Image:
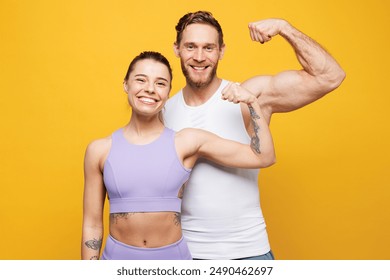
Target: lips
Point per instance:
(199, 68)
(147, 100)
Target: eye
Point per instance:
(161, 83)
(209, 48)
(141, 80)
(190, 47)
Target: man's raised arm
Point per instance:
(293, 89)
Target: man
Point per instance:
(221, 213)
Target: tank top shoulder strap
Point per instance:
(118, 140)
(169, 133)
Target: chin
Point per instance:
(202, 81)
(198, 83)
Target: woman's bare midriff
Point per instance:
(148, 230)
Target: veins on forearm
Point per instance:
(94, 244)
(311, 55)
(255, 140)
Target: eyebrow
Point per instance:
(193, 43)
(159, 78)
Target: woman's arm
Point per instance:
(94, 196)
(259, 154)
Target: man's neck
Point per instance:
(195, 96)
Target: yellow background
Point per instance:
(62, 65)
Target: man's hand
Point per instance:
(262, 31)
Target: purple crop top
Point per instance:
(144, 178)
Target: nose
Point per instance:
(199, 55)
(149, 87)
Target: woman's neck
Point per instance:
(142, 130)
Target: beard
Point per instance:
(199, 83)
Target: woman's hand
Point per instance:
(235, 93)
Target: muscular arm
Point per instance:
(293, 89)
(94, 195)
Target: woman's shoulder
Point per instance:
(98, 148)
(100, 142)
(193, 132)
(188, 132)
(194, 136)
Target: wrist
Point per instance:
(285, 28)
(252, 101)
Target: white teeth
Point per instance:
(199, 68)
(147, 100)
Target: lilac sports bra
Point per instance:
(144, 178)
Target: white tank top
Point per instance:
(221, 214)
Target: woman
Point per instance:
(143, 167)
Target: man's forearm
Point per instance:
(314, 59)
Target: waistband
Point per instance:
(116, 250)
(146, 249)
(145, 204)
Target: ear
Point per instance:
(125, 87)
(222, 52)
(176, 49)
